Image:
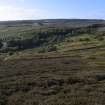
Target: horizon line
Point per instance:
(51, 19)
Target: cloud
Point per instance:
(20, 13)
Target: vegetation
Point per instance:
(53, 62)
(20, 35)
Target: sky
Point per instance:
(51, 9)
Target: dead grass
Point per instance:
(57, 80)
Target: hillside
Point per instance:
(52, 62)
(76, 78)
(48, 34)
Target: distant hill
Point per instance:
(51, 34)
(58, 22)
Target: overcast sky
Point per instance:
(42, 9)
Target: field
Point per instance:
(53, 79)
(62, 72)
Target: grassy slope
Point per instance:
(53, 79)
(15, 28)
(74, 75)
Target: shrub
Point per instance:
(52, 48)
(1, 44)
(11, 53)
(84, 39)
(100, 38)
(43, 50)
